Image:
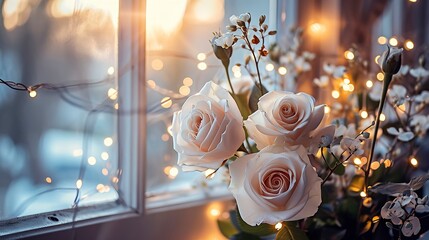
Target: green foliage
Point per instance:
(260, 230)
(226, 228)
(289, 231)
(254, 97)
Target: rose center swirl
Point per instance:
(275, 182)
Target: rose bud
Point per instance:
(390, 61)
(221, 44)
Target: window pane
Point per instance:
(179, 61)
(60, 136)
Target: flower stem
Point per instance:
(386, 82)
(225, 65)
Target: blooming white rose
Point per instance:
(207, 130)
(245, 17)
(284, 116)
(277, 184)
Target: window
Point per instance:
(67, 146)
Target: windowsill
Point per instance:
(60, 220)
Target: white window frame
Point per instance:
(131, 134)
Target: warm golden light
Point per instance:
(269, 67)
(100, 188)
(363, 114)
(387, 163)
(112, 93)
(166, 102)
(48, 180)
(79, 183)
(184, 90)
(393, 41)
(92, 160)
(214, 212)
(375, 165)
(188, 81)
(278, 226)
(282, 70)
(157, 64)
(413, 1)
(409, 45)
(369, 84)
(15, 13)
(357, 161)
(376, 59)
(363, 194)
(115, 179)
(380, 76)
(335, 94)
(201, 56)
(105, 156)
(104, 171)
(108, 142)
(414, 162)
(382, 117)
(165, 137)
(349, 55)
(316, 27)
(116, 106)
(382, 40)
(202, 66)
(402, 107)
(32, 93)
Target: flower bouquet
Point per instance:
(299, 170)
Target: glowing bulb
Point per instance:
(151, 83)
(165, 137)
(92, 160)
(327, 109)
(79, 184)
(351, 87)
(375, 219)
(414, 162)
(413, 1)
(387, 163)
(382, 117)
(104, 156)
(77, 152)
(369, 84)
(32, 93)
(171, 172)
(188, 81)
(382, 40)
(409, 45)
(166, 102)
(316, 27)
(375, 165)
(269, 67)
(100, 187)
(364, 114)
(376, 59)
(282, 70)
(363, 194)
(104, 171)
(201, 56)
(112, 94)
(214, 212)
(393, 41)
(335, 94)
(116, 106)
(157, 64)
(202, 66)
(349, 55)
(402, 107)
(111, 70)
(115, 179)
(380, 76)
(108, 142)
(346, 81)
(184, 90)
(278, 226)
(48, 180)
(357, 161)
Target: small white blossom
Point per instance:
(397, 94)
(245, 17)
(420, 123)
(411, 226)
(392, 210)
(423, 97)
(419, 73)
(402, 136)
(333, 70)
(224, 40)
(353, 146)
(323, 81)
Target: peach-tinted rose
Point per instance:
(284, 116)
(277, 184)
(208, 129)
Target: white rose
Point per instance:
(277, 184)
(286, 116)
(208, 129)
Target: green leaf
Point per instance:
(241, 100)
(289, 231)
(254, 97)
(244, 236)
(260, 230)
(340, 170)
(226, 228)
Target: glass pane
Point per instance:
(179, 61)
(58, 136)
